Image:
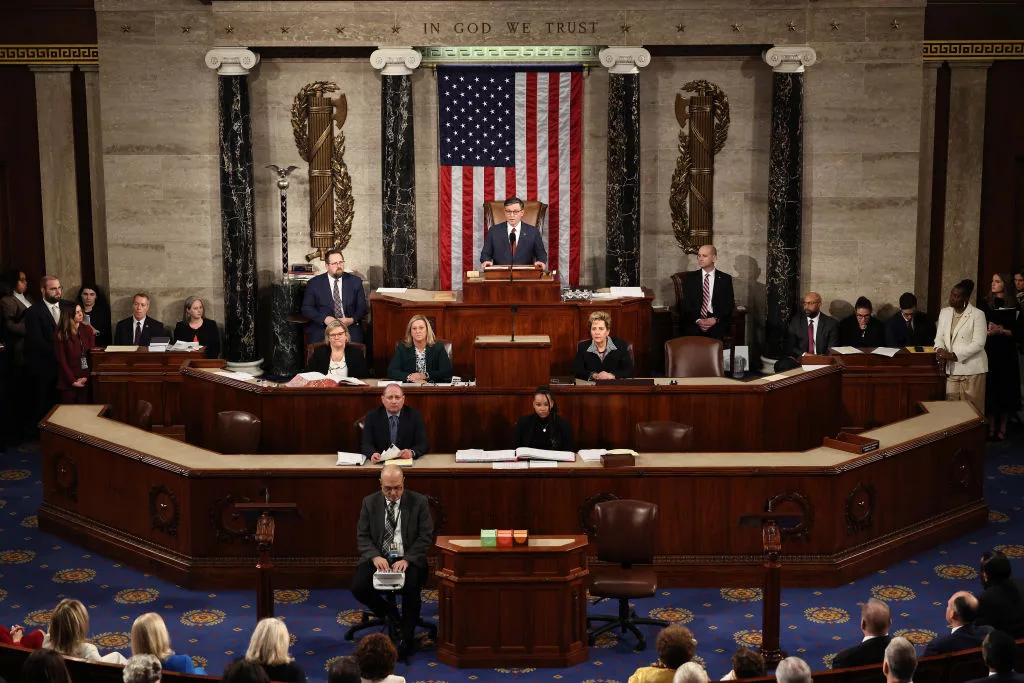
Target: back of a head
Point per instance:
(69, 625)
(691, 672)
(996, 566)
(1000, 652)
(269, 643)
(876, 617)
(142, 669)
(901, 658)
(747, 664)
(793, 670)
(376, 656)
(675, 646)
(245, 671)
(345, 670)
(149, 636)
(45, 666)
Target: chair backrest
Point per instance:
(625, 531)
(313, 347)
(143, 417)
(238, 432)
(663, 437)
(694, 357)
(447, 347)
(535, 213)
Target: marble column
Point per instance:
(924, 183)
(99, 210)
(237, 204)
(967, 88)
(622, 201)
(785, 190)
(397, 163)
(57, 174)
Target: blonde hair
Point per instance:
(603, 316)
(150, 637)
(269, 643)
(408, 330)
(335, 324)
(69, 626)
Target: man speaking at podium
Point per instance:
(513, 242)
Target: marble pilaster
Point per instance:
(237, 205)
(622, 262)
(286, 299)
(57, 174)
(785, 191)
(924, 183)
(397, 164)
(99, 210)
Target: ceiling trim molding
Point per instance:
(953, 50)
(32, 55)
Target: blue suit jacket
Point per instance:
(529, 246)
(318, 303)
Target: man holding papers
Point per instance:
(394, 533)
(394, 424)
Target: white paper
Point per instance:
(542, 464)
(244, 376)
(603, 296)
(628, 292)
(526, 453)
(514, 465)
(310, 376)
(846, 349)
(390, 454)
(480, 455)
(157, 348)
(808, 368)
(886, 351)
(121, 348)
(183, 346)
(592, 454)
(392, 290)
(350, 458)
(352, 381)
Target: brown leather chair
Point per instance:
(238, 432)
(447, 347)
(735, 330)
(694, 357)
(143, 416)
(663, 437)
(625, 537)
(535, 213)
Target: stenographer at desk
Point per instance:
(419, 358)
(544, 428)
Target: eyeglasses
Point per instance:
(863, 316)
(513, 211)
(392, 489)
(337, 335)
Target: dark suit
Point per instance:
(966, 637)
(616, 362)
(869, 652)
(403, 363)
(412, 433)
(553, 434)
(124, 335)
(826, 335)
(897, 333)
(318, 304)
(850, 333)
(1000, 606)
(417, 531)
(999, 678)
(13, 312)
(722, 303)
(529, 246)
(320, 361)
(40, 357)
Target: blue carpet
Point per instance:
(38, 570)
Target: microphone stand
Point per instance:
(515, 309)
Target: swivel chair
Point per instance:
(238, 432)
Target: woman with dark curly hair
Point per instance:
(675, 647)
(97, 312)
(376, 656)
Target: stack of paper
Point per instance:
(244, 376)
(592, 454)
(157, 347)
(350, 458)
(183, 346)
(845, 350)
(887, 351)
(525, 453)
(540, 464)
(515, 465)
(479, 455)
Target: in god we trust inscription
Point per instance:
(484, 28)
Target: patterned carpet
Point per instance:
(38, 570)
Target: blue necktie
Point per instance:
(394, 429)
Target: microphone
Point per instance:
(512, 248)
(515, 309)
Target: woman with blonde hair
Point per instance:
(150, 637)
(604, 356)
(337, 359)
(420, 358)
(269, 648)
(69, 627)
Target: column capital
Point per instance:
(624, 60)
(790, 59)
(395, 61)
(232, 61)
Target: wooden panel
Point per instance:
(511, 292)
(512, 365)
(122, 378)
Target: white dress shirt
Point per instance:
(711, 289)
(399, 548)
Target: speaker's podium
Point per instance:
(511, 285)
(512, 605)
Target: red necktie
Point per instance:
(707, 296)
(810, 336)
(513, 241)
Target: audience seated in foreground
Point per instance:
(244, 671)
(376, 656)
(142, 669)
(17, 636)
(150, 637)
(745, 664)
(961, 610)
(675, 646)
(345, 670)
(269, 647)
(793, 670)
(900, 661)
(875, 621)
(1001, 604)
(691, 672)
(999, 652)
(45, 666)
(69, 628)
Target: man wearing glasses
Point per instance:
(513, 242)
(334, 295)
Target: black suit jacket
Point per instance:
(723, 303)
(966, 637)
(999, 678)
(897, 334)
(125, 333)
(869, 652)
(403, 363)
(827, 335)
(412, 433)
(850, 333)
(616, 362)
(416, 525)
(40, 357)
(1000, 606)
(320, 361)
(529, 246)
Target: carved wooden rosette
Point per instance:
(704, 128)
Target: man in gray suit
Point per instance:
(824, 329)
(395, 532)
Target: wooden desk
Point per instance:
(170, 508)
(120, 378)
(512, 605)
(460, 321)
(794, 412)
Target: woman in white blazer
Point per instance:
(960, 342)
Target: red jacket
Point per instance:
(69, 356)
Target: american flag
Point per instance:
(505, 132)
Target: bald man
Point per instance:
(875, 622)
(708, 299)
(824, 334)
(961, 610)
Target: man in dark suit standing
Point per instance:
(999, 650)
(708, 299)
(911, 327)
(824, 331)
(960, 613)
(875, 622)
(40, 359)
(394, 424)
(1001, 604)
(138, 329)
(394, 533)
(513, 242)
(334, 295)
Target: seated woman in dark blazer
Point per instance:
(604, 356)
(419, 358)
(196, 327)
(544, 428)
(338, 359)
